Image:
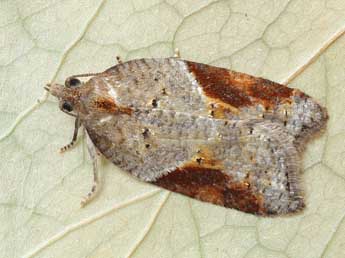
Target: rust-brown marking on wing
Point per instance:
(104, 104)
(204, 158)
(214, 186)
(238, 89)
(216, 83)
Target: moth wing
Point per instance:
(205, 90)
(253, 166)
(237, 89)
(162, 83)
(239, 95)
(263, 181)
(172, 81)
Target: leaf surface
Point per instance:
(298, 42)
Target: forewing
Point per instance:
(163, 83)
(185, 86)
(248, 165)
(242, 96)
(255, 170)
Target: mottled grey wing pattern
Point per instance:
(192, 129)
(156, 84)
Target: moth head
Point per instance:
(67, 94)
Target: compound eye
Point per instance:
(72, 82)
(67, 106)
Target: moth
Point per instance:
(213, 134)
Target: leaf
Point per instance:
(298, 41)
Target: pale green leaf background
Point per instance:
(299, 42)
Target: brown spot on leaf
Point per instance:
(214, 186)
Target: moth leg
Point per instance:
(119, 60)
(177, 53)
(96, 178)
(77, 125)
